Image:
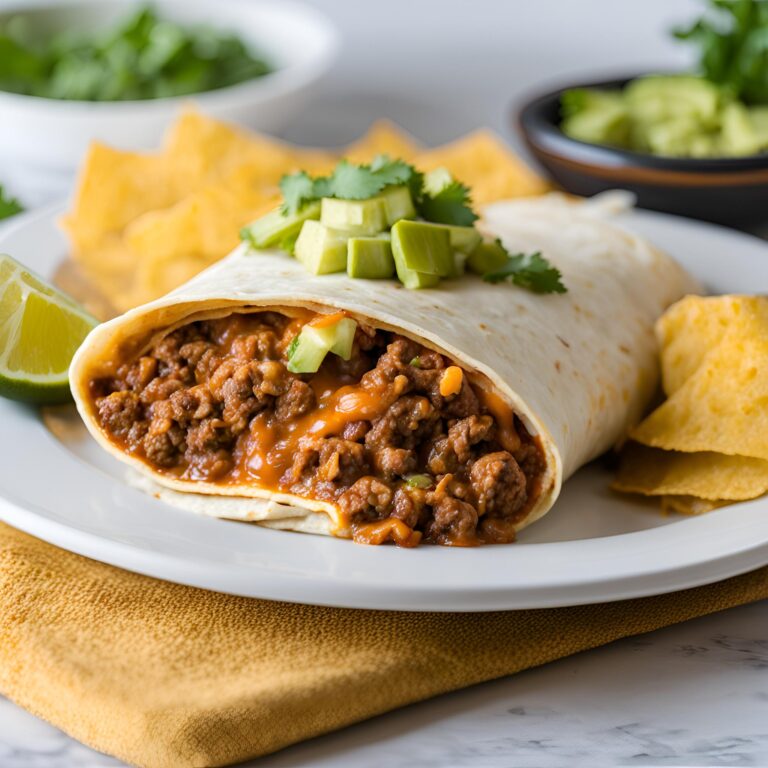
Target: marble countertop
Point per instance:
(692, 695)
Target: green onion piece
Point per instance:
(419, 481)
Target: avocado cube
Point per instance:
(423, 247)
(275, 227)
(463, 239)
(355, 217)
(412, 279)
(370, 258)
(310, 347)
(321, 249)
(398, 204)
(487, 257)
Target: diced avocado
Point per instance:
(355, 217)
(398, 204)
(663, 97)
(422, 247)
(437, 180)
(370, 258)
(321, 249)
(759, 118)
(597, 117)
(463, 239)
(412, 279)
(274, 227)
(459, 264)
(487, 257)
(738, 135)
(305, 355)
(309, 348)
(681, 137)
(343, 336)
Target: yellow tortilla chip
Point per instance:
(383, 138)
(689, 505)
(486, 165)
(114, 188)
(172, 245)
(693, 326)
(723, 407)
(201, 149)
(705, 475)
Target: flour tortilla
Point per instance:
(578, 368)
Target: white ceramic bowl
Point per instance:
(42, 141)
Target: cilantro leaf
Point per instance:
(298, 189)
(9, 206)
(451, 205)
(732, 42)
(392, 171)
(355, 182)
(528, 270)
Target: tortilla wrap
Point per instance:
(578, 368)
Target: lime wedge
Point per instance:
(40, 329)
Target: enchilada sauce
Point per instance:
(397, 439)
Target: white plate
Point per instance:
(593, 546)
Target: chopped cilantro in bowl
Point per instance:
(143, 57)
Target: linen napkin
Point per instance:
(167, 676)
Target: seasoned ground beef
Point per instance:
(374, 435)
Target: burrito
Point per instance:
(454, 417)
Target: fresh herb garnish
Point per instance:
(384, 218)
(9, 206)
(298, 189)
(359, 181)
(144, 57)
(348, 181)
(733, 47)
(351, 181)
(528, 270)
(451, 205)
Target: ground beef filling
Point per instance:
(214, 401)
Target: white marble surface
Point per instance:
(691, 695)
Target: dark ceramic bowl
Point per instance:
(730, 190)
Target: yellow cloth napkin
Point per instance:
(164, 675)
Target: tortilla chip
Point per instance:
(486, 165)
(201, 149)
(690, 329)
(170, 246)
(689, 505)
(705, 475)
(114, 188)
(723, 407)
(383, 138)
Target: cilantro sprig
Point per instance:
(436, 198)
(732, 42)
(451, 205)
(528, 270)
(359, 181)
(9, 206)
